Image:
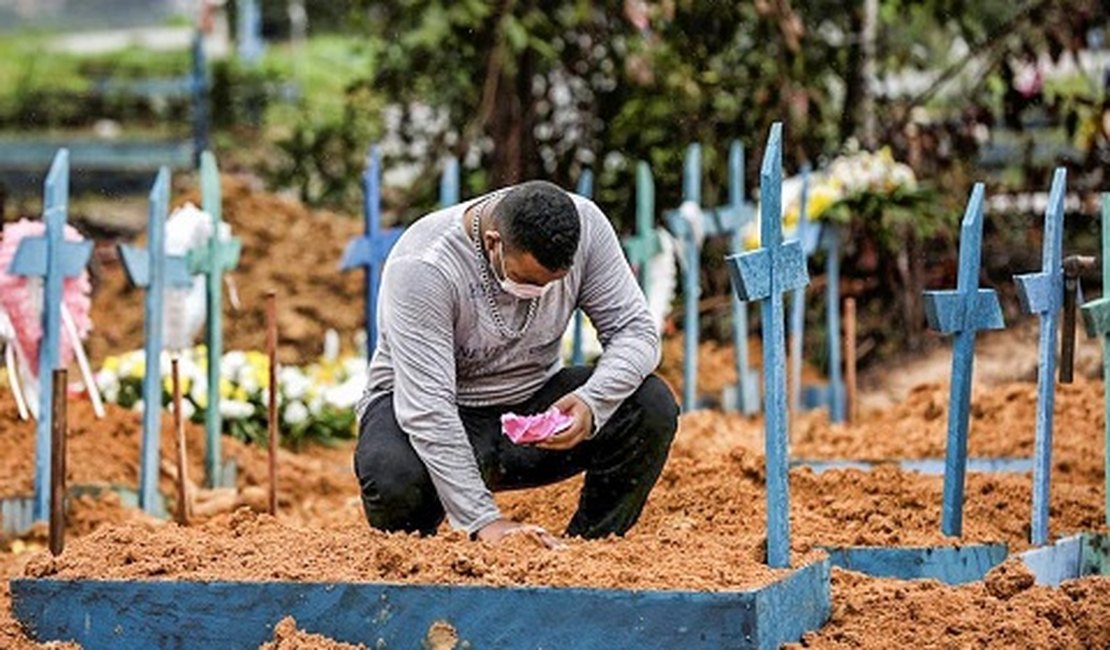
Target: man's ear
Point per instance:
(490, 239)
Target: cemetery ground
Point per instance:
(703, 528)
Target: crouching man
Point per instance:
(473, 305)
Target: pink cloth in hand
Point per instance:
(525, 429)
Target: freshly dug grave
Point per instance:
(702, 529)
(1002, 424)
(286, 247)
(1004, 611)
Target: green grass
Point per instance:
(327, 67)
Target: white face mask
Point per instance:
(518, 289)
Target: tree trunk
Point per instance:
(511, 124)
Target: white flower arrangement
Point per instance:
(314, 402)
(848, 177)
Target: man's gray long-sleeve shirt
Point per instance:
(439, 347)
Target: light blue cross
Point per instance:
(212, 261)
(728, 220)
(52, 258)
(154, 271)
(765, 275)
(808, 234)
(1096, 317)
(643, 245)
(962, 312)
(1042, 293)
(372, 248)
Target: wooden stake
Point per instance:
(271, 352)
(179, 430)
(850, 357)
(58, 463)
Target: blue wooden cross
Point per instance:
(449, 183)
(962, 312)
(809, 235)
(213, 260)
(765, 275)
(200, 98)
(52, 258)
(691, 280)
(834, 396)
(577, 356)
(1042, 293)
(644, 245)
(154, 271)
(727, 220)
(371, 249)
(730, 220)
(1096, 316)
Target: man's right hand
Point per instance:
(502, 528)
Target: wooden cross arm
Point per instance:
(200, 260)
(366, 250)
(641, 248)
(949, 311)
(30, 258)
(1041, 292)
(1096, 317)
(727, 220)
(752, 272)
(136, 264)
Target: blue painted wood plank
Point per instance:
(929, 466)
(832, 325)
(156, 271)
(963, 312)
(200, 99)
(774, 269)
(449, 183)
(370, 250)
(643, 244)
(732, 221)
(53, 259)
(180, 614)
(952, 565)
(212, 261)
(798, 301)
(1076, 556)
(96, 155)
(1042, 293)
(691, 279)
(1096, 317)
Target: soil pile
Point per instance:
(286, 247)
(312, 486)
(878, 613)
(250, 546)
(1003, 423)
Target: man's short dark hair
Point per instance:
(540, 218)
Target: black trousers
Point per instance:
(622, 461)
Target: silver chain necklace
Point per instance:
(487, 288)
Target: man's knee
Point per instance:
(397, 492)
(658, 408)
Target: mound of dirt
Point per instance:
(878, 613)
(286, 247)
